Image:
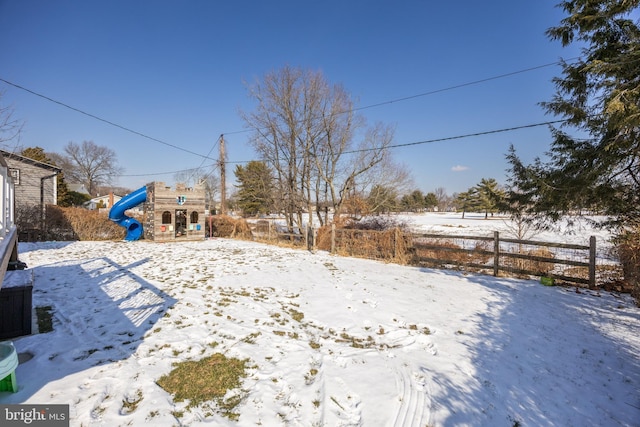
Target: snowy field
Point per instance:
(378, 344)
(475, 224)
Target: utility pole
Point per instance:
(223, 179)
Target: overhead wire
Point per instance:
(433, 92)
(204, 159)
(469, 135)
(93, 116)
(379, 104)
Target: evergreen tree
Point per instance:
(255, 188)
(598, 96)
(468, 201)
(430, 201)
(489, 196)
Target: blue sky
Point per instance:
(177, 72)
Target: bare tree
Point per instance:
(305, 129)
(90, 164)
(444, 200)
(10, 127)
(211, 184)
(383, 183)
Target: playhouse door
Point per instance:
(181, 222)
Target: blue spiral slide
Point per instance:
(116, 213)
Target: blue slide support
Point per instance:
(116, 213)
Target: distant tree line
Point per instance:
(257, 194)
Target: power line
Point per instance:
(433, 92)
(379, 104)
(203, 160)
(469, 135)
(458, 86)
(448, 138)
(93, 116)
(406, 98)
(163, 173)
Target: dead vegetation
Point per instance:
(65, 224)
(533, 262)
(628, 251)
(380, 238)
(441, 252)
(226, 226)
(374, 238)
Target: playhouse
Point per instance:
(168, 214)
(171, 215)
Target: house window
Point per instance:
(15, 175)
(166, 217)
(194, 217)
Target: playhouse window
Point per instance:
(194, 217)
(166, 217)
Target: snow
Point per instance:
(398, 345)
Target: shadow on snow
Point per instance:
(102, 320)
(538, 356)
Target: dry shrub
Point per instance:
(383, 245)
(367, 239)
(628, 248)
(323, 238)
(226, 226)
(445, 251)
(356, 207)
(65, 224)
(262, 226)
(377, 223)
(536, 267)
(81, 224)
(448, 252)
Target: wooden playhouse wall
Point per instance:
(163, 220)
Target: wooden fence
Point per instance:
(562, 262)
(271, 232)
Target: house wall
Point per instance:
(162, 199)
(27, 181)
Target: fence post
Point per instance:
(333, 238)
(396, 233)
(496, 253)
(592, 261)
(310, 239)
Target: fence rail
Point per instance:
(561, 261)
(565, 262)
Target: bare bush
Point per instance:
(539, 267)
(377, 223)
(628, 249)
(65, 224)
(372, 244)
(226, 226)
(447, 252)
(80, 224)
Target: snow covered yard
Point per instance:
(331, 341)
